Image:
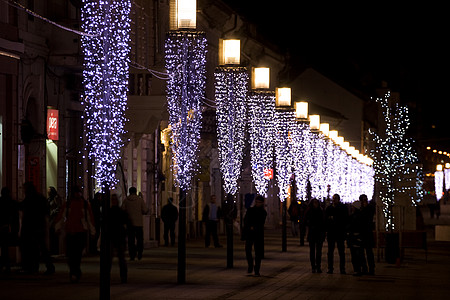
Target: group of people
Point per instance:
(35, 225)
(339, 223)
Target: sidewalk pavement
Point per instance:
(284, 275)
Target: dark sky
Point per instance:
(406, 46)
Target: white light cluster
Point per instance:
(231, 86)
(329, 168)
(261, 112)
(105, 78)
(284, 140)
(393, 156)
(447, 178)
(439, 184)
(185, 53)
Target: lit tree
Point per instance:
(394, 159)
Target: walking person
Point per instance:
(9, 227)
(293, 211)
(367, 238)
(77, 218)
(169, 216)
(336, 218)
(54, 202)
(354, 240)
(117, 236)
(211, 215)
(34, 231)
(253, 234)
(135, 208)
(316, 234)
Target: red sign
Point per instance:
(268, 173)
(52, 124)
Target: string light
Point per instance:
(395, 160)
(261, 111)
(231, 85)
(185, 53)
(105, 78)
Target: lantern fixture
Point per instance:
(301, 110)
(314, 122)
(333, 134)
(229, 52)
(325, 128)
(439, 167)
(260, 78)
(283, 97)
(183, 14)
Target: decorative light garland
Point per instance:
(105, 76)
(231, 86)
(439, 184)
(186, 65)
(284, 139)
(447, 178)
(392, 157)
(261, 112)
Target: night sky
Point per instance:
(361, 46)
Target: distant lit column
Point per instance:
(185, 55)
(439, 182)
(447, 176)
(261, 112)
(284, 125)
(231, 86)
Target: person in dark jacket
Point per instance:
(254, 220)
(9, 227)
(169, 215)
(354, 237)
(367, 238)
(35, 214)
(117, 235)
(316, 234)
(211, 215)
(336, 218)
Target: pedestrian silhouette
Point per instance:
(169, 215)
(211, 215)
(77, 218)
(253, 234)
(135, 207)
(336, 218)
(316, 234)
(117, 235)
(367, 238)
(54, 202)
(9, 227)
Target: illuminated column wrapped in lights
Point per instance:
(302, 149)
(105, 78)
(186, 65)
(447, 176)
(439, 182)
(231, 86)
(392, 156)
(261, 112)
(284, 125)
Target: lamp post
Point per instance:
(284, 117)
(439, 181)
(105, 77)
(185, 54)
(261, 114)
(231, 85)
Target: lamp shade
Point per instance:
(314, 122)
(339, 140)
(333, 134)
(183, 14)
(260, 78)
(283, 97)
(229, 52)
(325, 128)
(301, 110)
